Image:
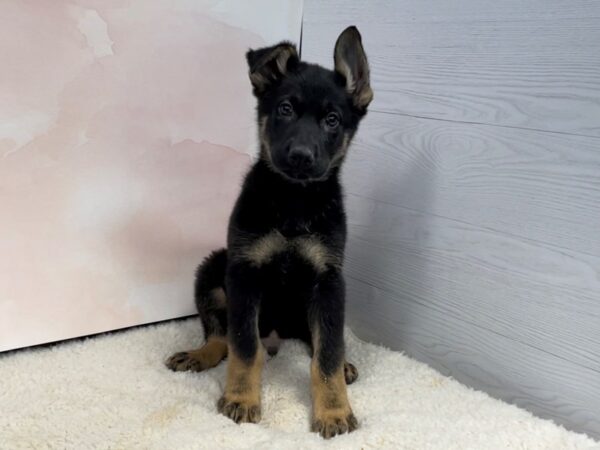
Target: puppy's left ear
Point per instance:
(351, 62)
(269, 65)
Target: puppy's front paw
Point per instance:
(239, 410)
(331, 424)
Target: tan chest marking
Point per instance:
(262, 250)
(314, 251)
(310, 247)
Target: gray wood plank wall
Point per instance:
(473, 192)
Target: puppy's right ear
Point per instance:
(270, 64)
(351, 62)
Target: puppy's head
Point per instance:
(307, 115)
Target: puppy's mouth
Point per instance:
(299, 176)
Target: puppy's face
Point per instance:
(308, 115)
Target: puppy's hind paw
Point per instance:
(183, 361)
(350, 372)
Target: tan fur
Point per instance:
(363, 97)
(241, 399)
(258, 80)
(315, 252)
(360, 89)
(330, 397)
(207, 356)
(281, 55)
(260, 251)
(219, 296)
(342, 67)
(212, 353)
(264, 248)
(265, 148)
(262, 131)
(282, 58)
(341, 153)
(332, 413)
(362, 94)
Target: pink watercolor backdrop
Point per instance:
(125, 129)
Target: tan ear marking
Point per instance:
(283, 58)
(343, 68)
(351, 62)
(271, 65)
(364, 97)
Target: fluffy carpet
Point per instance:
(114, 392)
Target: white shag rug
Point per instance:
(114, 392)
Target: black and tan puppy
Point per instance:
(281, 274)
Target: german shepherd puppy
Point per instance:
(281, 274)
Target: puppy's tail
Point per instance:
(212, 307)
(210, 296)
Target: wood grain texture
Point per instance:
(544, 384)
(543, 187)
(533, 65)
(473, 192)
(510, 286)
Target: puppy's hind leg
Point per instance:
(197, 360)
(211, 302)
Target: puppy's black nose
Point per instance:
(301, 157)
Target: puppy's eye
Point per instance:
(332, 120)
(285, 109)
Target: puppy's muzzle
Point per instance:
(301, 158)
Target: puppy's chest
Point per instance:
(309, 247)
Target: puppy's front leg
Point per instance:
(241, 399)
(332, 413)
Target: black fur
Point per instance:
(288, 289)
(210, 276)
(287, 231)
